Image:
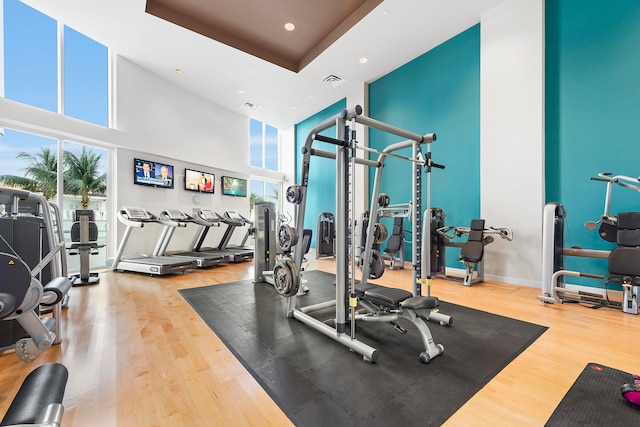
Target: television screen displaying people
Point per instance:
(199, 181)
(151, 173)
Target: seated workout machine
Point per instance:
(28, 238)
(84, 242)
(472, 250)
(394, 249)
(325, 236)
(39, 399)
(624, 260)
(622, 266)
(395, 245)
(376, 303)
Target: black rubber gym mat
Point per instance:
(319, 382)
(594, 399)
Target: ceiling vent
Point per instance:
(250, 106)
(332, 80)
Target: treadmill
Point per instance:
(233, 220)
(235, 254)
(154, 265)
(202, 259)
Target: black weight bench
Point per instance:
(39, 399)
(387, 305)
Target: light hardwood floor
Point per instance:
(138, 355)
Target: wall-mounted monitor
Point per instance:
(199, 181)
(151, 173)
(234, 186)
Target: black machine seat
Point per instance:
(362, 288)
(420, 303)
(77, 245)
(624, 260)
(396, 298)
(395, 243)
(387, 297)
(383, 304)
(84, 242)
(473, 249)
(39, 400)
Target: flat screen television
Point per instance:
(234, 186)
(154, 174)
(199, 181)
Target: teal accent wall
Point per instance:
(437, 92)
(321, 195)
(592, 114)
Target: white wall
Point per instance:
(167, 124)
(156, 200)
(512, 127)
(164, 119)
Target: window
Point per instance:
(30, 65)
(85, 78)
(30, 56)
(263, 145)
(31, 162)
(263, 191)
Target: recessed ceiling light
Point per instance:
(364, 60)
(177, 70)
(293, 107)
(289, 26)
(310, 96)
(241, 91)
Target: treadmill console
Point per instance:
(233, 215)
(137, 214)
(176, 215)
(208, 215)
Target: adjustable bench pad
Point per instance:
(43, 386)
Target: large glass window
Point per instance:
(30, 56)
(263, 145)
(264, 191)
(31, 162)
(85, 184)
(85, 78)
(30, 65)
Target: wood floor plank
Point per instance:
(138, 355)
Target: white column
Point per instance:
(512, 137)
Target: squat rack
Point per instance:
(346, 159)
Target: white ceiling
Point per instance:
(394, 33)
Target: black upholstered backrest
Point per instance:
(394, 242)
(75, 232)
(624, 260)
(473, 249)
